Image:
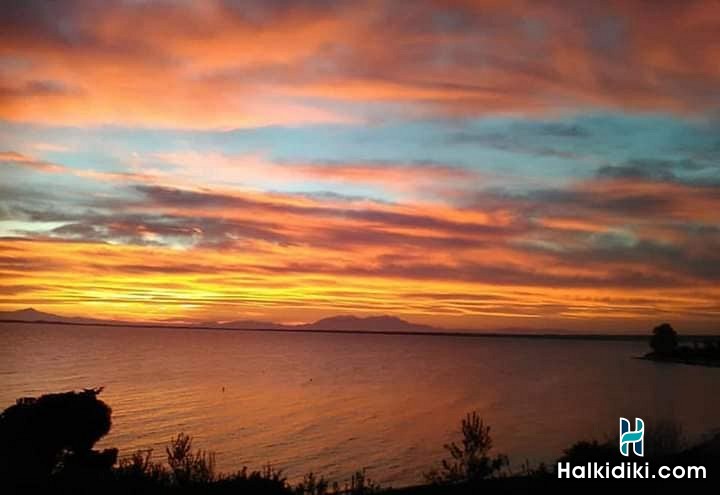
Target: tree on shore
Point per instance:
(54, 433)
(664, 340)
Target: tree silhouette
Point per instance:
(188, 466)
(470, 460)
(53, 433)
(664, 339)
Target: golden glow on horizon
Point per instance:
(80, 279)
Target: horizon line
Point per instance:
(437, 333)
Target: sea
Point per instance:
(334, 404)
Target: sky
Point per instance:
(469, 164)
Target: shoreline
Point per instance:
(682, 360)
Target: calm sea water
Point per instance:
(337, 403)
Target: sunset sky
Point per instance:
(484, 165)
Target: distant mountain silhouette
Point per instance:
(382, 323)
(243, 324)
(350, 323)
(31, 314)
(371, 323)
(341, 323)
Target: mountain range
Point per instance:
(384, 323)
(341, 323)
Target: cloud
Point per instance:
(216, 65)
(621, 228)
(32, 89)
(13, 158)
(255, 170)
(686, 171)
(296, 280)
(52, 147)
(606, 231)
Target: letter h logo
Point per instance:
(634, 437)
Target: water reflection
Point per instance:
(335, 403)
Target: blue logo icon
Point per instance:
(634, 437)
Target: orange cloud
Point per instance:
(292, 283)
(200, 253)
(20, 160)
(251, 170)
(210, 65)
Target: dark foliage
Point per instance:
(54, 434)
(664, 339)
(585, 451)
(312, 485)
(700, 351)
(189, 467)
(193, 471)
(46, 446)
(470, 461)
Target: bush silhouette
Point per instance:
(469, 461)
(54, 433)
(359, 484)
(139, 470)
(312, 485)
(186, 466)
(582, 452)
(664, 438)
